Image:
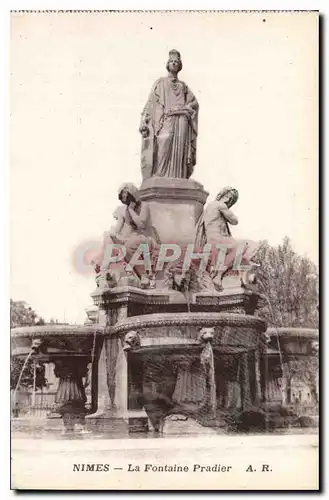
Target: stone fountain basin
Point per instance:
(50, 341)
(294, 340)
(181, 331)
(71, 348)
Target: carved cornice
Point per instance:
(239, 297)
(188, 319)
(170, 190)
(170, 183)
(106, 299)
(55, 331)
(294, 341)
(121, 296)
(172, 195)
(294, 333)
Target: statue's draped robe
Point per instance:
(170, 149)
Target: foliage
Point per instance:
(28, 374)
(290, 282)
(23, 315)
(306, 370)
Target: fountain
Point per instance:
(289, 377)
(164, 338)
(73, 350)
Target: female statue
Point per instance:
(169, 126)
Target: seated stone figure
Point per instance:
(133, 228)
(214, 227)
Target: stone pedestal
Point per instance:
(176, 205)
(119, 409)
(146, 329)
(148, 355)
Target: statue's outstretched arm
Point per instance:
(228, 214)
(140, 219)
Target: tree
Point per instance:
(27, 379)
(306, 370)
(23, 315)
(290, 282)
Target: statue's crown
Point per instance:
(174, 52)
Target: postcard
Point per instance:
(164, 250)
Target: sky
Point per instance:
(78, 85)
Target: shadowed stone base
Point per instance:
(110, 420)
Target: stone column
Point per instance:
(104, 402)
(263, 370)
(254, 377)
(123, 373)
(137, 418)
(128, 384)
(246, 402)
(258, 394)
(111, 355)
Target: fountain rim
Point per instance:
(290, 332)
(56, 330)
(199, 319)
